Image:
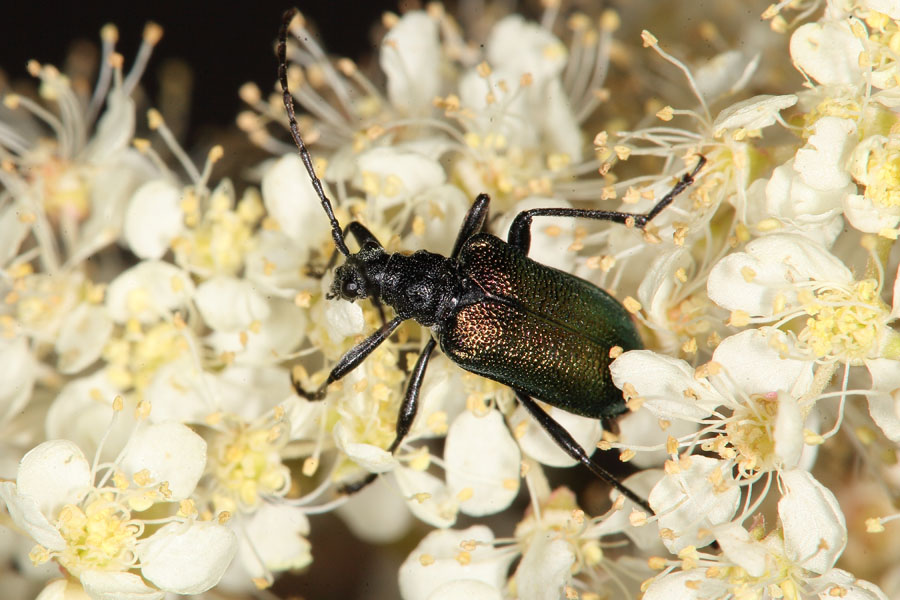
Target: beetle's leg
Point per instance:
(406, 415)
(520, 230)
(351, 359)
(565, 441)
(362, 235)
(473, 223)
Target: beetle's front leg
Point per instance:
(351, 359)
(405, 417)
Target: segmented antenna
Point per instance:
(336, 233)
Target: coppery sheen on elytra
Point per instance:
(538, 330)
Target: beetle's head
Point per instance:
(360, 275)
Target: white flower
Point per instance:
(828, 52)
(753, 113)
(86, 520)
(153, 219)
(793, 561)
(410, 57)
(760, 389)
(874, 164)
(446, 556)
(782, 277)
(482, 462)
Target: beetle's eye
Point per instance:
(349, 288)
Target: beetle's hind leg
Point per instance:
(350, 360)
(565, 441)
(520, 230)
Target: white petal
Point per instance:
(482, 457)
(377, 514)
(725, 73)
(470, 589)
(755, 367)
(276, 264)
(741, 549)
(685, 585)
(428, 498)
(153, 218)
(439, 551)
(828, 52)
(884, 402)
(523, 47)
(441, 209)
(659, 284)
(62, 589)
(815, 532)
(12, 232)
(895, 307)
(688, 502)
(25, 513)
(788, 432)
(537, 444)
(661, 381)
(864, 215)
(187, 560)
(277, 335)
(114, 130)
(118, 585)
(82, 413)
(82, 337)
(275, 534)
(849, 587)
(545, 568)
(822, 163)
(753, 113)
(230, 304)
(171, 452)
(773, 262)
(148, 290)
(18, 371)
(290, 199)
(343, 319)
(372, 458)
(889, 7)
(646, 538)
(642, 428)
(181, 392)
(410, 57)
(810, 210)
(560, 128)
(249, 391)
(399, 175)
(53, 474)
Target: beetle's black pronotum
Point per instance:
(495, 312)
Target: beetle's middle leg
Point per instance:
(520, 230)
(565, 441)
(351, 359)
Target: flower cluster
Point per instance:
(154, 317)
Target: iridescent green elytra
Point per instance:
(539, 330)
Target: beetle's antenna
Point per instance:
(336, 232)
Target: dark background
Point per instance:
(225, 45)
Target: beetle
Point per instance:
(545, 333)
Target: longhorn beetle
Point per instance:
(495, 312)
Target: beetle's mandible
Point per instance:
(543, 332)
